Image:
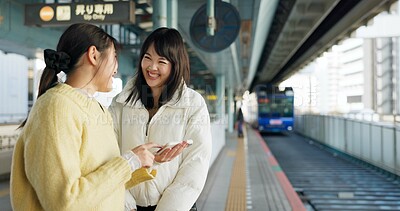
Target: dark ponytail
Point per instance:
(73, 43)
(55, 63)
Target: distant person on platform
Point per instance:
(240, 123)
(156, 105)
(67, 155)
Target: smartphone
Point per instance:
(172, 144)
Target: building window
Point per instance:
(354, 99)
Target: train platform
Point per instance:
(245, 176)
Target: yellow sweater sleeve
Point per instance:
(52, 158)
(139, 176)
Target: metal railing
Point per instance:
(7, 142)
(376, 143)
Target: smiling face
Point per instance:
(156, 69)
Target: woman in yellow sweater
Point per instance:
(67, 156)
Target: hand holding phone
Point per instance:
(172, 145)
(170, 150)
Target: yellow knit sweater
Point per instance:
(67, 156)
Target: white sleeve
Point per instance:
(130, 203)
(132, 159)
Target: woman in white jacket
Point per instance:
(157, 106)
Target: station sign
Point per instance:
(68, 13)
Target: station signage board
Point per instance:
(68, 13)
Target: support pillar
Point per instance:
(159, 13)
(221, 98)
(172, 15)
(231, 111)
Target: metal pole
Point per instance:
(211, 23)
(172, 14)
(231, 110)
(221, 97)
(159, 13)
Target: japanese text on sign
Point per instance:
(94, 12)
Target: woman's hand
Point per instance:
(145, 156)
(170, 153)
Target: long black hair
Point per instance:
(73, 43)
(168, 43)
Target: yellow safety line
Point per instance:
(236, 200)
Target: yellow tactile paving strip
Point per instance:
(236, 200)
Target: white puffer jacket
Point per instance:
(179, 182)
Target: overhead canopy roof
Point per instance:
(276, 37)
(304, 29)
(285, 36)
